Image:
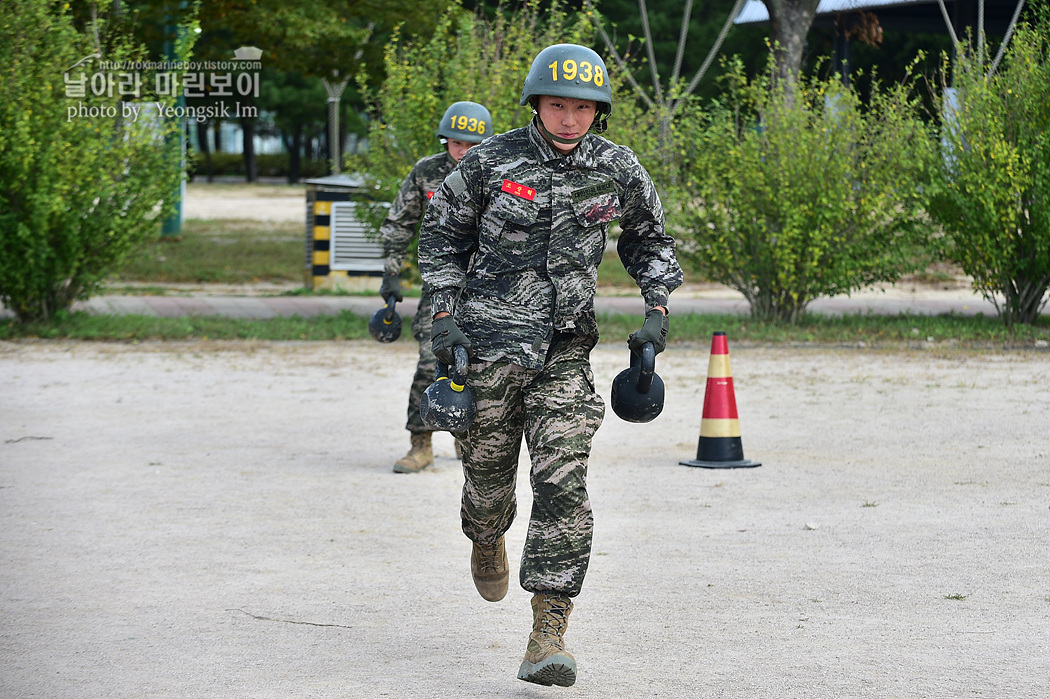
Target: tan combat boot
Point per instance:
(488, 567)
(546, 660)
(418, 457)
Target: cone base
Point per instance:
(744, 463)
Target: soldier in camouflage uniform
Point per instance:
(463, 125)
(510, 247)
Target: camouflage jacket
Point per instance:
(511, 242)
(409, 206)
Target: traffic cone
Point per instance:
(720, 445)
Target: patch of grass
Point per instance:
(938, 273)
(244, 251)
(612, 274)
(893, 332)
(130, 328)
(956, 596)
(147, 290)
(223, 252)
(856, 330)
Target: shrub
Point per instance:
(795, 197)
(993, 196)
(76, 192)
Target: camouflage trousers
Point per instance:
(426, 365)
(558, 411)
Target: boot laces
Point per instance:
(554, 619)
(489, 559)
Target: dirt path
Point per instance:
(259, 202)
(201, 520)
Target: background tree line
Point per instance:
(778, 180)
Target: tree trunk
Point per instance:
(294, 155)
(790, 21)
(1023, 299)
(248, 131)
(202, 140)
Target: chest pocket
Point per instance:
(597, 204)
(513, 209)
(513, 236)
(514, 217)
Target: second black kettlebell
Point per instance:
(385, 324)
(448, 404)
(638, 392)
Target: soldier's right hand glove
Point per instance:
(444, 337)
(654, 330)
(391, 286)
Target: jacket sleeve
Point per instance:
(401, 222)
(449, 235)
(646, 249)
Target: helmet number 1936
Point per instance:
(584, 71)
(462, 123)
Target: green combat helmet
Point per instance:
(570, 70)
(466, 121)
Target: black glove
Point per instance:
(654, 330)
(391, 286)
(444, 337)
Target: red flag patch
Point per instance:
(519, 190)
(429, 194)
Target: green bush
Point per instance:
(76, 192)
(993, 197)
(803, 195)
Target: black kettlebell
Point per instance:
(385, 324)
(638, 392)
(448, 404)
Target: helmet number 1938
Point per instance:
(584, 71)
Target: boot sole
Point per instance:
(558, 670)
(492, 594)
(408, 469)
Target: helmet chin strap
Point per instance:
(559, 139)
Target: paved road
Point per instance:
(238, 306)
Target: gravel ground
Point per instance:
(220, 520)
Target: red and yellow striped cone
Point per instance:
(720, 445)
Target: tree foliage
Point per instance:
(468, 58)
(798, 199)
(77, 191)
(993, 196)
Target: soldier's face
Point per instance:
(565, 117)
(457, 149)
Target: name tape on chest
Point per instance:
(519, 190)
(606, 187)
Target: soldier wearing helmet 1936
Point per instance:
(464, 125)
(510, 247)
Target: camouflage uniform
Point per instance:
(397, 231)
(510, 245)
